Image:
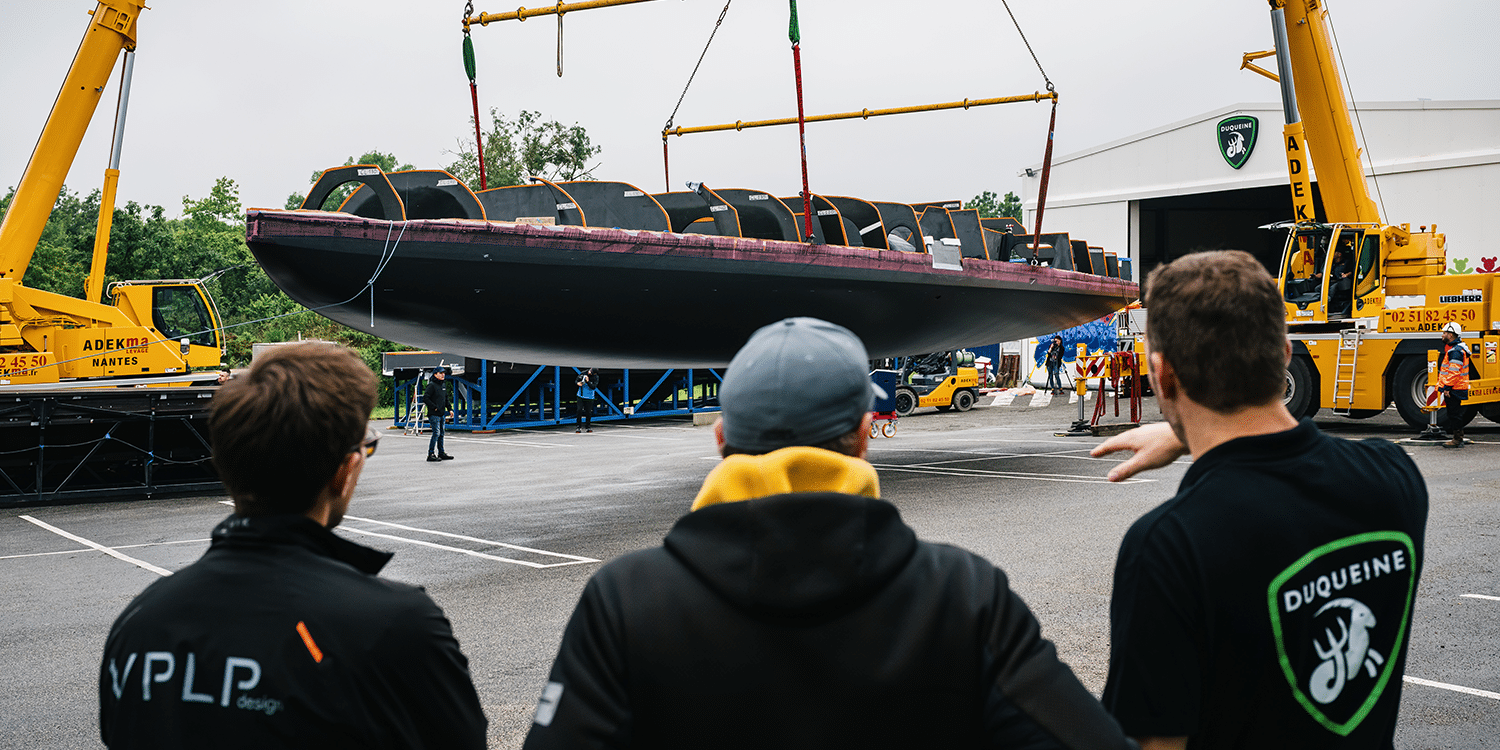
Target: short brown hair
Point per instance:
(280, 432)
(1218, 319)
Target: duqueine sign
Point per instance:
(1237, 139)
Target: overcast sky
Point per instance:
(268, 92)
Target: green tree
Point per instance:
(990, 206)
(208, 239)
(386, 162)
(63, 253)
(528, 146)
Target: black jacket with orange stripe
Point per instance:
(282, 635)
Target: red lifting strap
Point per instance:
(1041, 201)
(478, 138)
(802, 135)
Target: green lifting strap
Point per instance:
(469, 57)
(793, 33)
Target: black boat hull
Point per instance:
(616, 298)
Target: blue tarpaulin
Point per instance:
(1100, 336)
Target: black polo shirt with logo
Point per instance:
(1269, 603)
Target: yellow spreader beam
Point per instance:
(523, 13)
(864, 114)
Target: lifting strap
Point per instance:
(1041, 201)
(795, 35)
(469, 68)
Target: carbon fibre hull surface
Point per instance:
(617, 298)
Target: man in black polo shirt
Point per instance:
(1269, 603)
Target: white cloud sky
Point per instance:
(266, 93)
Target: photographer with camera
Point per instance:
(587, 382)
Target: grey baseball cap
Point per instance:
(800, 381)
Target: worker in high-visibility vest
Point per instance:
(1453, 381)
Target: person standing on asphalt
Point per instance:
(1054, 362)
(1268, 603)
(282, 635)
(436, 400)
(1453, 381)
(792, 608)
(588, 384)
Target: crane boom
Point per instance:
(112, 30)
(1302, 29)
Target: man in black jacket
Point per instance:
(281, 635)
(793, 609)
(435, 398)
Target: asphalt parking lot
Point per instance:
(505, 536)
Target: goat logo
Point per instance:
(1339, 617)
(1346, 652)
(1237, 139)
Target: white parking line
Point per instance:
(982, 456)
(622, 426)
(86, 549)
(1454, 688)
(574, 558)
(645, 437)
(99, 547)
(1480, 596)
(1075, 478)
(489, 441)
(461, 550)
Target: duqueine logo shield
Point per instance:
(1237, 139)
(1339, 617)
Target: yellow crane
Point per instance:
(1365, 300)
(147, 329)
(97, 397)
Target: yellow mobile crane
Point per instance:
(1365, 300)
(72, 412)
(151, 328)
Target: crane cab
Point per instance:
(177, 311)
(1331, 272)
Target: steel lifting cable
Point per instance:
(1041, 204)
(1028, 45)
(673, 117)
(1354, 105)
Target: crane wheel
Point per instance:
(1300, 397)
(1410, 391)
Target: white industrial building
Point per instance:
(1158, 195)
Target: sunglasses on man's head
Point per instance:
(372, 439)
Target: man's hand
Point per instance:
(1155, 446)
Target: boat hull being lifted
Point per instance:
(610, 297)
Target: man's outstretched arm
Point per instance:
(1155, 446)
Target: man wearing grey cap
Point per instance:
(792, 608)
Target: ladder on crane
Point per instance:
(1344, 368)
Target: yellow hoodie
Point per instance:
(794, 469)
